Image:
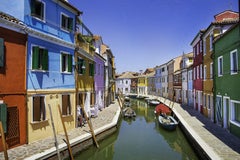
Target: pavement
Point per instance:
(106, 119)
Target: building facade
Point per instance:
(13, 80)
(227, 80)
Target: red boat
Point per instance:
(162, 109)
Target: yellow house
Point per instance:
(84, 59)
(142, 85)
(222, 23)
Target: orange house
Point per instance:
(13, 82)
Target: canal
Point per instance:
(141, 138)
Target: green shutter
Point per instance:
(1, 52)
(70, 24)
(69, 63)
(3, 116)
(45, 60)
(35, 57)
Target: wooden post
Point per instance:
(3, 141)
(65, 131)
(54, 132)
(90, 126)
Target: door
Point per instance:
(219, 110)
(225, 111)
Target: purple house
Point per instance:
(99, 83)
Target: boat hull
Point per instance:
(167, 122)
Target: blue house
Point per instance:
(50, 60)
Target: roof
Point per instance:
(126, 75)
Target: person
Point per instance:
(79, 116)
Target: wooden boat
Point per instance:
(162, 109)
(129, 112)
(167, 122)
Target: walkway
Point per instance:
(216, 141)
(106, 119)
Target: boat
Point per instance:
(127, 102)
(129, 112)
(154, 102)
(162, 109)
(167, 122)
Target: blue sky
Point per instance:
(146, 33)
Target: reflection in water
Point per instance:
(141, 138)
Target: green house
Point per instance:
(227, 80)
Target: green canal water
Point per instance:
(141, 138)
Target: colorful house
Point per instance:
(177, 79)
(85, 66)
(227, 80)
(12, 80)
(123, 83)
(151, 83)
(222, 22)
(187, 61)
(109, 74)
(170, 68)
(142, 85)
(99, 72)
(49, 58)
(197, 45)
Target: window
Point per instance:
(91, 69)
(204, 47)
(234, 62)
(211, 41)
(1, 52)
(81, 66)
(220, 66)
(66, 62)
(204, 72)
(211, 70)
(39, 110)
(37, 9)
(235, 112)
(67, 23)
(209, 101)
(200, 71)
(66, 105)
(39, 58)
(197, 72)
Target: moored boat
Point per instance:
(127, 101)
(162, 109)
(154, 102)
(167, 122)
(128, 112)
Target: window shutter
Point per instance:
(45, 59)
(1, 52)
(69, 63)
(33, 9)
(3, 116)
(70, 24)
(35, 57)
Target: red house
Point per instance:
(12, 80)
(197, 45)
